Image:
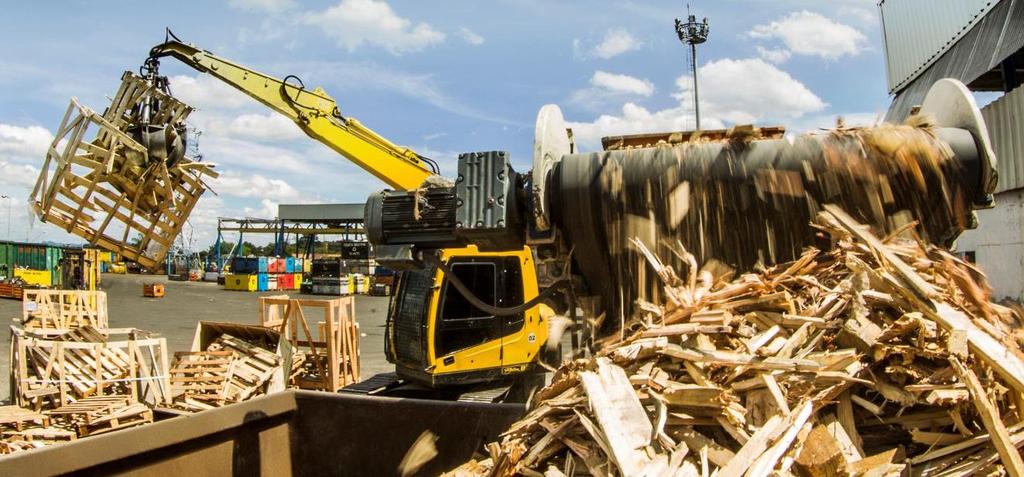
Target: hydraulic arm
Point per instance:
(315, 112)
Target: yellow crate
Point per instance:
(41, 278)
(240, 282)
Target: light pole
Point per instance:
(693, 33)
(8, 214)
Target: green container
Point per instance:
(53, 257)
(33, 256)
(6, 259)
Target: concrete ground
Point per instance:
(186, 303)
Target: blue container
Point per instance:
(261, 265)
(243, 265)
(289, 265)
(261, 281)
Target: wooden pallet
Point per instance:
(133, 415)
(107, 189)
(102, 414)
(200, 374)
(18, 418)
(153, 290)
(63, 309)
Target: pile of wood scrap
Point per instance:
(52, 368)
(879, 356)
(230, 370)
(24, 429)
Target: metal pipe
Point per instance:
(693, 66)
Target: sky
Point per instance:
(440, 77)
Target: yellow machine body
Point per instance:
(490, 348)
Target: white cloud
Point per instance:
(809, 33)
(470, 36)
(776, 56)
(353, 23)
(205, 92)
(622, 83)
(18, 175)
(865, 16)
(267, 6)
(749, 90)
(24, 144)
(270, 127)
(732, 91)
(609, 88)
(255, 186)
(634, 120)
(616, 42)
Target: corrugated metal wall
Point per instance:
(917, 32)
(1005, 120)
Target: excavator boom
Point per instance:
(315, 112)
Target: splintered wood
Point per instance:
(111, 190)
(874, 357)
(63, 309)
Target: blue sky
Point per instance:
(441, 77)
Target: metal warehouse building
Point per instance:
(980, 43)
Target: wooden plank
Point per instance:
(620, 415)
(990, 417)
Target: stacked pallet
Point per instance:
(52, 368)
(877, 357)
(101, 414)
(230, 370)
(23, 429)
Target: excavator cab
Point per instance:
(451, 341)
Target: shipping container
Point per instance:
(297, 285)
(241, 282)
(272, 282)
(289, 265)
(284, 281)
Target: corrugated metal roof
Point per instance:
(321, 212)
(977, 52)
(1005, 120)
(917, 32)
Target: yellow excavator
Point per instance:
(463, 348)
(489, 259)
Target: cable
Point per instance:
(494, 310)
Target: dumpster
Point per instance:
(290, 433)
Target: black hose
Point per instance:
(484, 307)
(301, 87)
